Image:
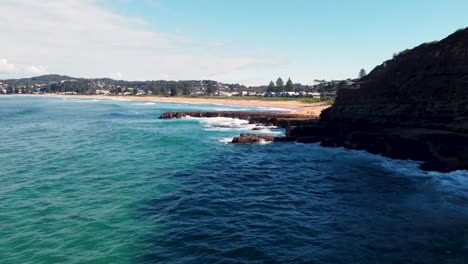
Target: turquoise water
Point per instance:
(106, 181)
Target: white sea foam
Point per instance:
(454, 183)
(264, 142)
(226, 140)
(218, 109)
(86, 101)
(145, 103)
(119, 99)
(273, 131)
(226, 124)
(275, 109)
(223, 123)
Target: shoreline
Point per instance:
(296, 107)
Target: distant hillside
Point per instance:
(54, 83)
(43, 79)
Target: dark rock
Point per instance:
(285, 139)
(271, 119)
(305, 130)
(252, 138)
(258, 128)
(309, 139)
(328, 142)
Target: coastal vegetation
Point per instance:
(362, 73)
(273, 99)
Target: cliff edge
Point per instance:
(414, 106)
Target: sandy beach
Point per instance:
(313, 109)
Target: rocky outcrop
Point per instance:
(270, 119)
(281, 120)
(414, 106)
(252, 139)
(259, 138)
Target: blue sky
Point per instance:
(249, 42)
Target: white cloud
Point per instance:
(116, 76)
(6, 67)
(81, 38)
(36, 70)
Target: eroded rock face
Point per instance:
(414, 106)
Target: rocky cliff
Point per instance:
(414, 106)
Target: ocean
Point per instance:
(106, 181)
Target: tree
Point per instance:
(187, 89)
(164, 91)
(271, 87)
(362, 73)
(173, 91)
(342, 85)
(10, 89)
(289, 86)
(299, 88)
(211, 89)
(279, 85)
(156, 90)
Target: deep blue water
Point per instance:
(105, 181)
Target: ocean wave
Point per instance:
(146, 103)
(85, 100)
(454, 183)
(223, 123)
(275, 109)
(119, 99)
(175, 193)
(226, 140)
(273, 131)
(264, 142)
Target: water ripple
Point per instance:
(106, 182)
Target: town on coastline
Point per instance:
(65, 85)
